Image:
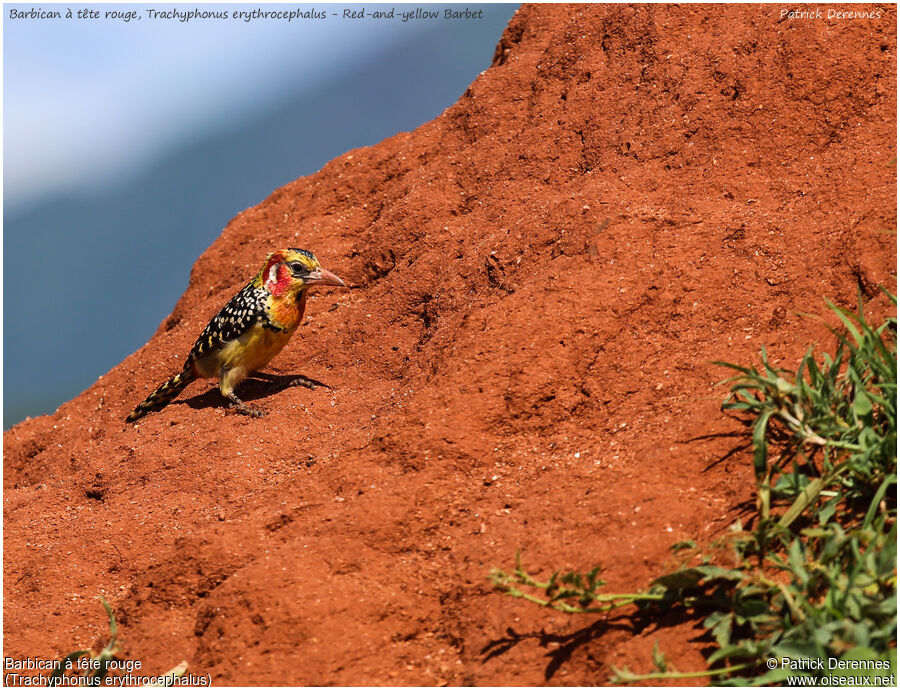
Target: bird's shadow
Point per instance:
(256, 387)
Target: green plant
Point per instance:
(93, 671)
(569, 592)
(816, 577)
(844, 410)
(96, 670)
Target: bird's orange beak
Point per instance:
(322, 276)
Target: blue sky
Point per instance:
(86, 101)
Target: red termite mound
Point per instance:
(541, 278)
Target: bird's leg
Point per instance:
(242, 407)
(228, 379)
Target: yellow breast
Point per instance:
(250, 352)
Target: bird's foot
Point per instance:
(247, 410)
(243, 408)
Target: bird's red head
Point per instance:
(290, 272)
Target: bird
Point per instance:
(249, 331)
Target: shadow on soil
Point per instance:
(634, 624)
(259, 386)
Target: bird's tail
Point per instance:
(163, 395)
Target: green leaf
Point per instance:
(732, 651)
(719, 623)
(807, 496)
(862, 406)
(113, 628)
(879, 496)
(760, 443)
(659, 659)
(681, 545)
(846, 317)
(687, 578)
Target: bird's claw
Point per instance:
(245, 409)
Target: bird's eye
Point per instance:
(297, 268)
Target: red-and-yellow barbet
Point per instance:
(249, 331)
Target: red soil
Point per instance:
(540, 279)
